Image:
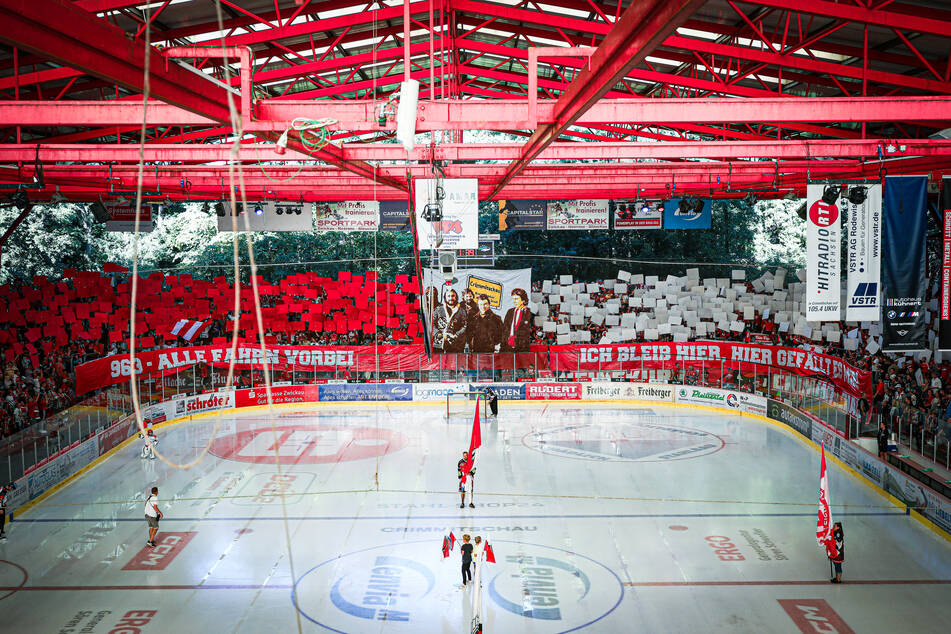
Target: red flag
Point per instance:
(452, 540)
(824, 523)
(445, 547)
(474, 442)
(489, 555)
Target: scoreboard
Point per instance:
(482, 257)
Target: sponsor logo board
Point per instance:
(365, 392)
(628, 391)
(504, 391)
(281, 394)
(436, 391)
(552, 391)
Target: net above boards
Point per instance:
(460, 404)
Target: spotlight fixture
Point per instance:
(281, 146)
(857, 195)
(99, 211)
(698, 205)
(258, 210)
(432, 212)
(684, 207)
(645, 208)
(20, 199)
(830, 195)
(220, 209)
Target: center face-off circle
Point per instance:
(531, 587)
(624, 442)
(307, 444)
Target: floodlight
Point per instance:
(220, 209)
(857, 195)
(645, 209)
(281, 146)
(258, 210)
(830, 195)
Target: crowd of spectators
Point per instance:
(305, 309)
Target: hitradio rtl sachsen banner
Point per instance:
(905, 285)
(944, 314)
(457, 200)
(522, 214)
(348, 215)
(823, 294)
(585, 213)
(864, 259)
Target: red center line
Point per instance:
(857, 582)
(123, 588)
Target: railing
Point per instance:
(36, 443)
(815, 396)
(926, 434)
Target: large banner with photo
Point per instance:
(637, 214)
(905, 284)
(823, 288)
(585, 213)
(457, 199)
(457, 322)
(688, 213)
(864, 260)
(347, 215)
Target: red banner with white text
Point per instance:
(409, 358)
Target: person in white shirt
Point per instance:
(936, 381)
(477, 552)
(152, 515)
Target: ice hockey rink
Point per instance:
(602, 517)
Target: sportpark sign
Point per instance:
(712, 356)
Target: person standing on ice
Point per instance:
(152, 515)
(466, 481)
(148, 449)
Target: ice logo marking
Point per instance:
(385, 592)
(533, 591)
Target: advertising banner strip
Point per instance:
(579, 214)
(864, 260)
(394, 215)
(457, 200)
(688, 213)
(637, 214)
(823, 294)
(903, 263)
(523, 214)
(348, 215)
(944, 322)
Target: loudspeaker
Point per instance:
(100, 212)
(447, 263)
(406, 113)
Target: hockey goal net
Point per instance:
(464, 404)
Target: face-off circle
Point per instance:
(624, 442)
(541, 588)
(307, 444)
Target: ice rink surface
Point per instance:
(602, 517)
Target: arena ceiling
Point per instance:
(706, 97)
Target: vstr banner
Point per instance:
(864, 263)
(903, 263)
(944, 316)
(823, 289)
